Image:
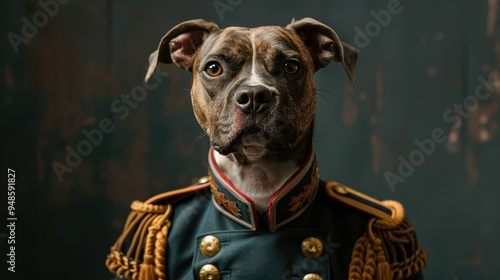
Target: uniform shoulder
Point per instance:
(138, 248)
(179, 194)
(385, 210)
(389, 248)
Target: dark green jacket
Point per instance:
(312, 230)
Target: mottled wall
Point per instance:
(69, 76)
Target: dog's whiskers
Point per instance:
(199, 137)
(186, 97)
(335, 95)
(326, 91)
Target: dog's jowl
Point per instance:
(262, 212)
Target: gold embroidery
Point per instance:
(307, 192)
(222, 200)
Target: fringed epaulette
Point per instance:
(140, 251)
(389, 248)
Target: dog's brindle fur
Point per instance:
(258, 115)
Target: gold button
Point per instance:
(209, 272)
(209, 246)
(312, 247)
(313, 276)
(340, 189)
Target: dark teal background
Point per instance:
(428, 57)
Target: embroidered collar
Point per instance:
(291, 200)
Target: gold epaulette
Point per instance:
(139, 252)
(389, 248)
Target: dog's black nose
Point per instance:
(253, 99)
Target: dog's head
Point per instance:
(253, 90)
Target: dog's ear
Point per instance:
(325, 45)
(180, 44)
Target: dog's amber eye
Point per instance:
(291, 67)
(213, 69)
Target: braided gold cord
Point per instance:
(388, 250)
(160, 252)
(137, 246)
(369, 269)
(153, 256)
(150, 223)
(398, 215)
(357, 259)
(150, 241)
(118, 263)
(148, 208)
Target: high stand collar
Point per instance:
(288, 203)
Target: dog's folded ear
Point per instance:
(180, 44)
(325, 45)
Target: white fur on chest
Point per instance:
(259, 180)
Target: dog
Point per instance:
(263, 212)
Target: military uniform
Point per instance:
(312, 230)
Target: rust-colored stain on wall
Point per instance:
(477, 258)
(483, 122)
(472, 170)
(379, 88)
(376, 103)
(129, 177)
(350, 108)
(491, 17)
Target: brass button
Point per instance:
(313, 276)
(209, 246)
(341, 189)
(210, 272)
(312, 247)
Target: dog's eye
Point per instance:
(291, 67)
(213, 69)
